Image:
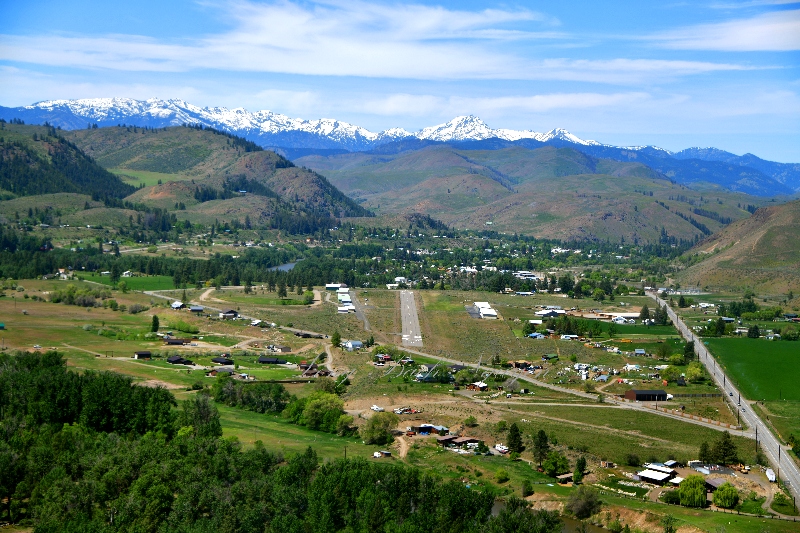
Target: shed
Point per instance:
(564, 478)
(646, 395)
(445, 440)
(714, 483)
(267, 360)
(196, 309)
(177, 305)
(176, 342)
(282, 349)
(175, 360)
(228, 314)
(222, 361)
(639, 351)
(463, 441)
(144, 354)
(220, 371)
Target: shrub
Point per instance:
(180, 325)
(378, 428)
(693, 491)
(137, 308)
(583, 502)
(527, 488)
(501, 476)
(726, 496)
(632, 460)
(672, 497)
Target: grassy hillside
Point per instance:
(176, 163)
(761, 252)
(547, 192)
(39, 160)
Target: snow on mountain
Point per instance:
(268, 128)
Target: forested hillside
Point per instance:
(37, 160)
(95, 453)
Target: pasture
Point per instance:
(761, 369)
(136, 283)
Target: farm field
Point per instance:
(762, 370)
(135, 177)
(136, 283)
(613, 433)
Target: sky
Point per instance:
(722, 73)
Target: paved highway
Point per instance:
(412, 334)
(777, 454)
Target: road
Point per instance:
(777, 454)
(359, 310)
(412, 334)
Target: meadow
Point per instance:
(761, 369)
(136, 283)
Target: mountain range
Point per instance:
(294, 138)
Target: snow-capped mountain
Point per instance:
(264, 127)
(296, 137)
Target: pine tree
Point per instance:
(336, 339)
(514, 439)
(644, 314)
(541, 446)
(154, 324)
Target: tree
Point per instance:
(514, 439)
(336, 339)
(719, 328)
(724, 450)
(470, 421)
(378, 428)
(282, 289)
(116, 272)
(123, 286)
(695, 372)
(202, 416)
(688, 351)
(681, 302)
(693, 491)
(555, 464)
(580, 464)
(541, 446)
(663, 351)
(726, 496)
(154, 324)
(577, 476)
(644, 314)
(527, 328)
(599, 294)
(322, 412)
(753, 332)
(612, 330)
(344, 426)
(501, 476)
(704, 455)
(669, 522)
(464, 376)
(583, 502)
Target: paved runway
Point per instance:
(412, 334)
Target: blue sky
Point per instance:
(721, 73)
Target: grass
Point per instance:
(752, 506)
(613, 433)
(761, 369)
(136, 283)
(784, 506)
(135, 177)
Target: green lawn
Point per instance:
(137, 283)
(760, 368)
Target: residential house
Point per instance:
(144, 354)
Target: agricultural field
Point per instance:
(136, 283)
(149, 179)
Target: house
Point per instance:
(607, 464)
(654, 476)
(478, 386)
(222, 361)
(427, 429)
(464, 441)
(196, 309)
(714, 483)
(333, 286)
(228, 314)
(281, 349)
(602, 378)
(220, 371)
(178, 360)
(353, 345)
(177, 305)
(536, 335)
(639, 351)
(646, 395)
(563, 479)
(144, 354)
(550, 313)
(550, 357)
(445, 440)
(264, 360)
(176, 342)
(456, 368)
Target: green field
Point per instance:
(137, 283)
(135, 177)
(761, 369)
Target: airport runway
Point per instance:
(412, 334)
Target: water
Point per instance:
(285, 267)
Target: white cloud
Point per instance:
(399, 41)
(774, 31)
